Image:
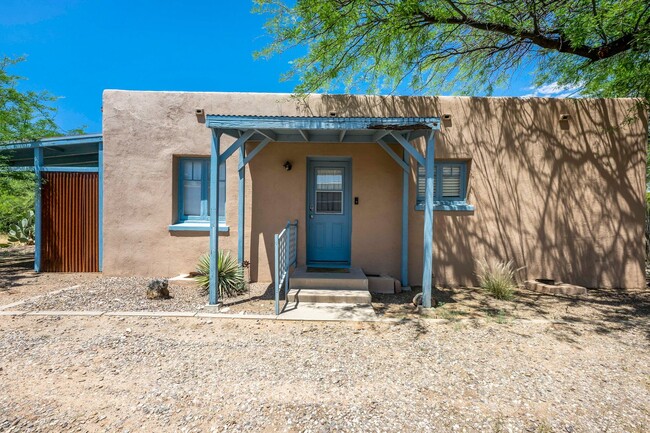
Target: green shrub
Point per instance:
(498, 278)
(16, 197)
(23, 232)
(231, 275)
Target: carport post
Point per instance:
(38, 163)
(214, 217)
(428, 221)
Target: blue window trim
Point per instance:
(448, 203)
(192, 222)
(196, 226)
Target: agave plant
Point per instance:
(231, 275)
(23, 232)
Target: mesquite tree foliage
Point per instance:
(601, 46)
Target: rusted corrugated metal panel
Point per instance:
(70, 227)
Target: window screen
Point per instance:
(451, 176)
(329, 190)
(194, 190)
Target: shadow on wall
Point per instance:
(563, 198)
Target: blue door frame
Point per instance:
(329, 230)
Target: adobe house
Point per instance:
(413, 187)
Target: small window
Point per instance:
(194, 190)
(449, 182)
(329, 190)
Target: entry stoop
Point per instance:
(329, 287)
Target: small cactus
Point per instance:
(23, 232)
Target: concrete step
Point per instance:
(355, 279)
(335, 296)
(324, 311)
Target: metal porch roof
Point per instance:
(322, 129)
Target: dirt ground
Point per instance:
(133, 374)
(19, 281)
(589, 373)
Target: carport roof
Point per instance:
(78, 151)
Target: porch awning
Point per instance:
(322, 129)
(381, 130)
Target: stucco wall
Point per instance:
(564, 199)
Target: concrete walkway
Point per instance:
(317, 312)
(293, 311)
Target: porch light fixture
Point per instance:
(287, 165)
(200, 112)
(446, 116)
(564, 117)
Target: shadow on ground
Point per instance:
(602, 310)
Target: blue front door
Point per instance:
(329, 212)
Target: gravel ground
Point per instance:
(134, 374)
(626, 308)
(597, 305)
(129, 294)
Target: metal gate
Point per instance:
(70, 222)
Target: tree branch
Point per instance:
(604, 51)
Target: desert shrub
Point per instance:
(231, 275)
(498, 278)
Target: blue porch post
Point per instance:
(214, 217)
(428, 222)
(38, 164)
(406, 175)
(241, 204)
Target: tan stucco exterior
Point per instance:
(565, 199)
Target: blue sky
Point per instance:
(77, 48)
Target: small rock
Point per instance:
(158, 289)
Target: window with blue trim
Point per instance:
(194, 190)
(449, 186)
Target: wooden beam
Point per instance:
(409, 147)
(241, 140)
(69, 169)
(379, 134)
(255, 151)
(268, 134)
